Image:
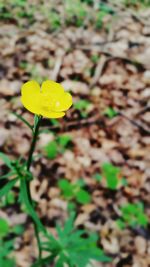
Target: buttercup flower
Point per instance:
(50, 101)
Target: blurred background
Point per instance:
(100, 52)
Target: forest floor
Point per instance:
(108, 67)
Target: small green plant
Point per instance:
(4, 227)
(75, 248)
(8, 199)
(5, 14)
(51, 150)
(95, 58)
(111, 173)
(17, 9)
(99, 18)
(7, 245)
(58, 146)
(103, 11)
(54, 122)
(52, 17)
(110, 112)
(133, 215)
(82, 105)
(54, 20)
(6, 248)
(106, 8)
(74, 191)
(98, 177)
(75, 12)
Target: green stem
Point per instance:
(35, 135)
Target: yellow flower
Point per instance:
(50, 101)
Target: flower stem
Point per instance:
(35, 135)
(34, 139)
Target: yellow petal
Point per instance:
(52, 88)
(62, 103)
(31, 96)
(30, 88)
(31, 103)
(51, 115)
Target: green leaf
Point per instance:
(110, 112)
(6, 160)
(44, 261)
(64, 140)
(97, 177)
(80, 182)
(6, 188)
(66, 187)
(140, 205)
(26, 201)
(9, 262)
(120, 223)
(82, 104)
(4, 227)
(111, 173)
(9, 174)
(71, 206)
(18, 229)
(83, 250)
(124, 181)
(11, 198)
(54, 122)
(142, 219)
(69, 224)
(106, 8)
(133, 214)
(83, 197)
(74, 249)
(8, 199)
(95, 58)
(61, 260)
(51, 149)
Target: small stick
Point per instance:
(99, 69)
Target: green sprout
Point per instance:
(111, 173)
(74, 191)
(82, 105)
(57, 146)
(76, 12)
(7, 245)
(132, 214)
(110, 112)
(8, 199)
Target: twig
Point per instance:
(147, 108)
(99, 69)
(57, 67)
(135, 123)
(112, 56)
(77, 124)
(91, 121)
